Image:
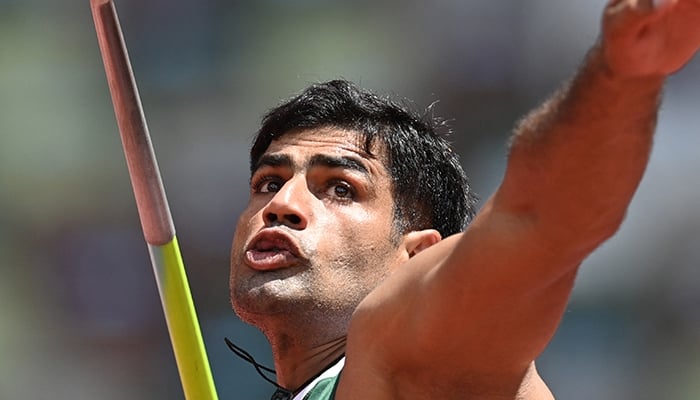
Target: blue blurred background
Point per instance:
(80, 316)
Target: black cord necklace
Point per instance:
(281, 393)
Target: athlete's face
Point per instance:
(315, 238)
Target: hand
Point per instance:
(650, 37)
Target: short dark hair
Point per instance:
(430, 188)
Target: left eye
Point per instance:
(341, 190)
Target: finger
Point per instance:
(630, 15)
(637, 8)
(631, 7)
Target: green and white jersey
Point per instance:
(323, 387)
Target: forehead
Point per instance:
(305, 144)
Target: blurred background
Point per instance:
(80, 316)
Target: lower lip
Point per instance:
(269, 260)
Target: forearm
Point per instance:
(576, 161)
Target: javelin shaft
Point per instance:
(154, 213)
(152, 205)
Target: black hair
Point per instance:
(430, 188)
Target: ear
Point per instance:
(416, 241)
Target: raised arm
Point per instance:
(475, 310)
(580, 156)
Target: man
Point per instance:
(351, 245)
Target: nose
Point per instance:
(290, 206)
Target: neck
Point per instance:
(303, 344)
(296, 363)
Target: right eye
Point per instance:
(268, 184)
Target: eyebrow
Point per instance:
(319, 160)
(344, 162)
(273, 160)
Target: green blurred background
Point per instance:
(80, 316)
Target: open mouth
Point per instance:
(273, 250)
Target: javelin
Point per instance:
(152, 205)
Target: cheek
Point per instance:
(244, 227)
(365, 244)
(374, 229)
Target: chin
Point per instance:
(266, 295)
(252, 309)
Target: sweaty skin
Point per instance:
(463, 317)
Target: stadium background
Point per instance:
(79, 312)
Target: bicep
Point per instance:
(488, 299)
(500, 293)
